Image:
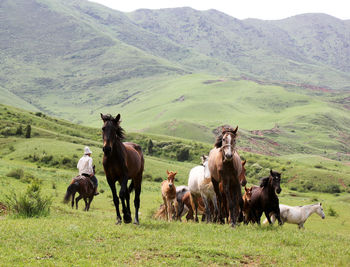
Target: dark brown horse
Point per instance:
(264, 198)
(122, 161)
(84, 186)
(223, 167)
(243, 182)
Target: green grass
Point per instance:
(73, 237)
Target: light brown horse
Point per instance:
(84, 186)
(169, 195)
(224, 167)
(121, 162)
(246, 204)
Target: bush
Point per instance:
(183, 154)
(29, 204)
(18, 173)
(332, 212)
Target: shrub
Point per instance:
(29, 204)
(332, 212)
(331, 188)
(18, 173)
(28, 131)
(183, 154)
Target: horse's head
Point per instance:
(111, 132)
(275, 178)
(171, 178)
(205, 165)
(320, 211)
(248, 194)
(228, 146)
(242, 178)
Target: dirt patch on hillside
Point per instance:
(3, 209)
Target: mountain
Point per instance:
(310, 48)
(182, 72)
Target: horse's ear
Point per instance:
(102, 116)
(117, 118)
(223, 129)
(244, 162)
(320, 204)
(175, 173)
(271, 172)
(245, 188)
(235, 130)
(167, 172)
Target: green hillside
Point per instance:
(177, 72)
(57, 144)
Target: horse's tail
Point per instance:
(72, 188)
(131, 186)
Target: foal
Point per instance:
(246, 204)
(169, 195)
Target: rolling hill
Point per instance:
(182, 72)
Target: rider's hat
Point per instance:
(87, 150)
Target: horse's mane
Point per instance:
(218, 142)
(264, 181)
(119, 130)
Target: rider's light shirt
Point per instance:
(85, 165)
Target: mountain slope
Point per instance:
(269, 49)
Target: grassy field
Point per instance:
(74, 237)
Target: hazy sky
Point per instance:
(242, 9)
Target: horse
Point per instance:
(122, 161)
(264, 198)
(243, 182)
(195, 179)
(247, 197)
(84, 186)
(181, 205)
(298, 214)
(169, 194)
(224, 167)
(186, 199)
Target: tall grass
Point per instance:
(29, 204)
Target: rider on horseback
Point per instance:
(86, 168)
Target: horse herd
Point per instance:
(214, 188)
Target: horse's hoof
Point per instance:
(136, 222)
(119, 222)
(127, 219)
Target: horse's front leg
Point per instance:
(125, 199)
(115, 200)
(219, 196)
(267, 214)
(231, 204)
(170, 208)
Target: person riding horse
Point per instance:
(86, 168)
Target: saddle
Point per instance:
(83, 177)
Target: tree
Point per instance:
(28, 131)
(150, 147)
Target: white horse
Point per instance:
(200, 186)
(298, 214)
